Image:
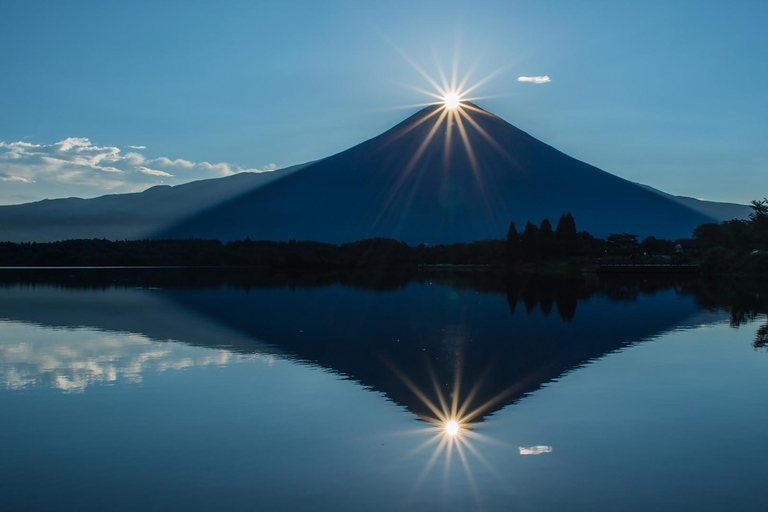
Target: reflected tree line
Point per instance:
(744, 299)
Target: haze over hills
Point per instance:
(457, 181)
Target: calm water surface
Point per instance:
(200, 390)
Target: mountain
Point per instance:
(718, 211)
(459, 180)
(125, 216)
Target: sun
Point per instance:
(452, 101)
(452, 427)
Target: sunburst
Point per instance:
(452, 96)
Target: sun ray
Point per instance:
(415, 125)
(485, 135)
(468, 471)
(455, 68)
(479, 456)
(411, 164)
(478, 110)
(467, 76)
(486, 79)
(416, 391)
(438, 391)
(456, 388)
(435, 95)
(431, 462)
(448, 135)
(443, 78)
(496, 399)
(471, 395)
(423, 446)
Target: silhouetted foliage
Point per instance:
(654, 246)
(530, 243)
(566, 229)
(622, 243)
(547, 244)
(512, 245)
(736, 245)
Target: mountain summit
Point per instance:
(439, 176)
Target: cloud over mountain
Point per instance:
(76, 166)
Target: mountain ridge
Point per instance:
(462, 180)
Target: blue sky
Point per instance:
(670, 94)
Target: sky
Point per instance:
(112, 97)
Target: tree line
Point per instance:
(736, 246)
(730, 246)
(541, 243)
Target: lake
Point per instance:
(195, 389)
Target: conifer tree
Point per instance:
(546, 240)
(512, 245)
(530, 243)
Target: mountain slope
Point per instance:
(125, 216)
(718, 211)
(417, 182)
(376, 189)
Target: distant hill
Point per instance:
(125, 216)
(718, 211)
(378, 188)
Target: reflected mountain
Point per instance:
(506, 335)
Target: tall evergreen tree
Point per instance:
(565, 235)
(530, 242)
(546, 240)
(513, 244)
(566, 228)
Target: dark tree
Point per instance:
(566, 235)
(530, 243)
(654, 246)
(512, 245)
(546, 240)
(622, 243)
(759, 218)
(566, 228)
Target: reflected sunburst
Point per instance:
(452, 426)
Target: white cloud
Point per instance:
(534, 79)
(10, 177)
(270, 166)
(534, 450)
(77, 167)
(154, 172)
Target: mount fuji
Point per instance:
(436, 177)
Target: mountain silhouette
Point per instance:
(461, 179)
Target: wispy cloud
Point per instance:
(154, 172)
(11, 177)
(535, 79)
(77, 167)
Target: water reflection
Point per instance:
(476, 345)
(338, 430)
(73, 359)
(534, 450)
